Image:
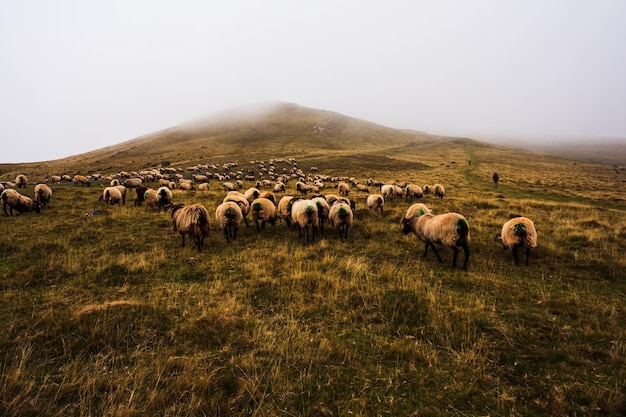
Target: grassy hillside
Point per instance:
(108, 315)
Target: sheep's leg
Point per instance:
(436, 253)
(183, 235)
(245, 219)
(455, 256)
(258, 228)
(466, 252)
(527, 255)
(313, 231)
(515, 257)
(227, 234)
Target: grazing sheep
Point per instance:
(279, 187)
(186, 186)
(439, 191)
(323, 208)
(416, 209)
(284, 209)
(388, 191)
(191, 220)
(204, 186)
(242, 202)
(111, 196)
(413, 191)
(123, 192)
(362, 188)
(304, 213)
(228, 216)
(55, 179)
(376, 202)
(80, 179)
(164, 198)
(43, 193)
(426, 189)
(302, 188)
(519, 231)
(269, 195)
(228, 186)
(150, 196)
(344, 189)
(140, 195)
(19, 202)
(450, 230)
(263, 210)
(132, 182)
(340, 216)
(115, 182)
(21, 181)
(251, 194)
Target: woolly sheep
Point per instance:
(413, 191)
(192, 220)
(302, 188)
(284, 209)
(19, 202)
(81, 179)
(241, 201)
(55, 179)
(123, 192)
(114, 182)
(228, 216)
(323, 208)
(21, 181)
(439, 191)
(519, 231)
(140, 195)
(164, 197)
(340, 216)
(186, 186)
(416, 209)
(251, 194)
(376, 202)
(304, 213)
(388, 191)
(111, 196)
(132, 182)
(344, 189)
(204, 186)
(362, 188)
(228, 186)
(450, 230)
(150, 197)
(279, 187)
(263, 210)
(43, 193)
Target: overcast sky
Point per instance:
(80, 75)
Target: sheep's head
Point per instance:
(405, 225)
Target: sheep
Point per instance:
(19, 202)
(140, 195)
(388, 190)
(164, 198)
(439, 191)
(269, 195)
(191, 220)
(304, 213)
(123, 192)
(302, 188)
(362, 188)
(426, 189)
(450, 230)
(80, 179)
(55, 179)
(43, 193)
(21, 181)
(228, 216)
(376, 202)
(228, 186)
(204, 186)
(263, 210)
(279, 187)
(241, 201)
(496, 178)
(344, 189)
(132, 182)
(186, 186)
(323, 208)
(111, 196)
(114, 182)
(413, 191)
(284, 209)
(340, 216)
(519, 231)
(150, 196)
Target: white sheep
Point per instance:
(81, 179)
(228, 216)
(376, 202)
(164, 197)
(413, 191)
(123, 192)
(388, 191)
(340, 216)
(284, 209)
(43, 193)
(251, 194)
(263, 210)
(439, 191)
(241, 201)
(450, 230)
(344, 189)
(193, 221)
(19, 202)
(204, 186)
(186, 186)
(519, 231)
(111, 196)
(323, 208)
(304, 213)
(114, 182)
(279, 187)
(21, 180)
(150, 197)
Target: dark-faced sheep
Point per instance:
(140, 195)
(164, 198)
(376, 203)
(518, 232)
(43, 193)
(264, 211)
(450, 230)
(228, 216)
(303, 214)
(21, 181)
(81, 180)
(192, 220)
(340, 216)
(16, 201)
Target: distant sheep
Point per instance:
(122, 191)
(193, 221)
(140, 195)
(14, 200)
(388, 191)
(228, 186)
(279, 187)
(323, 208)
(376, 203)
(439, 191)
(43, 193)
(228, 216)
(450, 230)
(150, 197)
(241, 201)
(21, 181)
(519, 231)
(111, 196)
(55, 179)
(81, 180)
(413, 191)
(186, 186)
(340, 216)
(304, 213)
(344, 189)
(284, 209)
(164, 198)
(132, 182)
(204, 186)
(263, 210)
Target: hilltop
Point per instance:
(279, 130)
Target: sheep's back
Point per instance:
(510, 237)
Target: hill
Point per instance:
(279, 130)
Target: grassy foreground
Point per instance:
(106, 315)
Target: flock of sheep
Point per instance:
(307, 211)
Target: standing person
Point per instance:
(496, 177)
